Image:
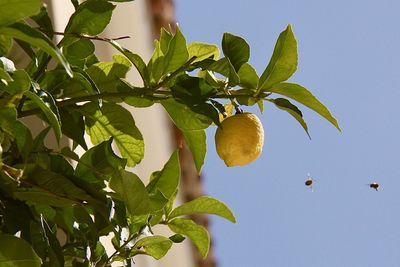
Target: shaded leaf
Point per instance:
(204, 205)
(47, 104)
(16, 252)
(283, 62)
(132, 191)
(197, 233)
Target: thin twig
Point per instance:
(97, 38)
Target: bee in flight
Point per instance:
(309, 182)
(374, 185)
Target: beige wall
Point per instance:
(133, 19)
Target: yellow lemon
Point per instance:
(240, 139)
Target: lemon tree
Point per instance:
(46, 191)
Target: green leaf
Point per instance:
(305, 97)
(10, 124)
(107, 75)
(98, 164)
(196, 141)
(80, 49)
(14, 10)
(112, 120)
(57, 184)
(155, 246)
(47, 104)
(202, 51)
(193, 90)
(20, 83)
(37, 196)
(132, 191)
(177, 238)
(5, 44)
(204, 204)
(72, 125)
(184, 118)
(197, 233)
(285, 104)
(224, 66)
(36, 38)
(167, 180)
(248, 76)
(177, 54)
(136, 60)
(283, 62)
(236, 50)
(16, 252)
(90, 18)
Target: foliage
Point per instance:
(45, 192)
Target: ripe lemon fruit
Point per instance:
(239, 139)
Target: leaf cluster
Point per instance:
(55, 205)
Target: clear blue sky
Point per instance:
(349, 54)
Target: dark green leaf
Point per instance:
(57, 184)
(90, 18)
(14, 10)
(72, 125)
(132, 191)
(177, 238)
(248, 76)
(247, 98)
(112, 120)
(16, 252)
(44, 21)
(197, 233)
(236, 50)
(36, 38)
(192, 89)
(204, 204)
(47, 104)
(184, 118)
(285, 104)
(10, 124)
(305, 97)
(202, 51)
(283, 62)
(196, 141)
(224, 66)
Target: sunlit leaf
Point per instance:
(205, 205)
(14, 10)
(197, 233)
(112, 120)
(283, 62)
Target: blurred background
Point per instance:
(349, 58)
